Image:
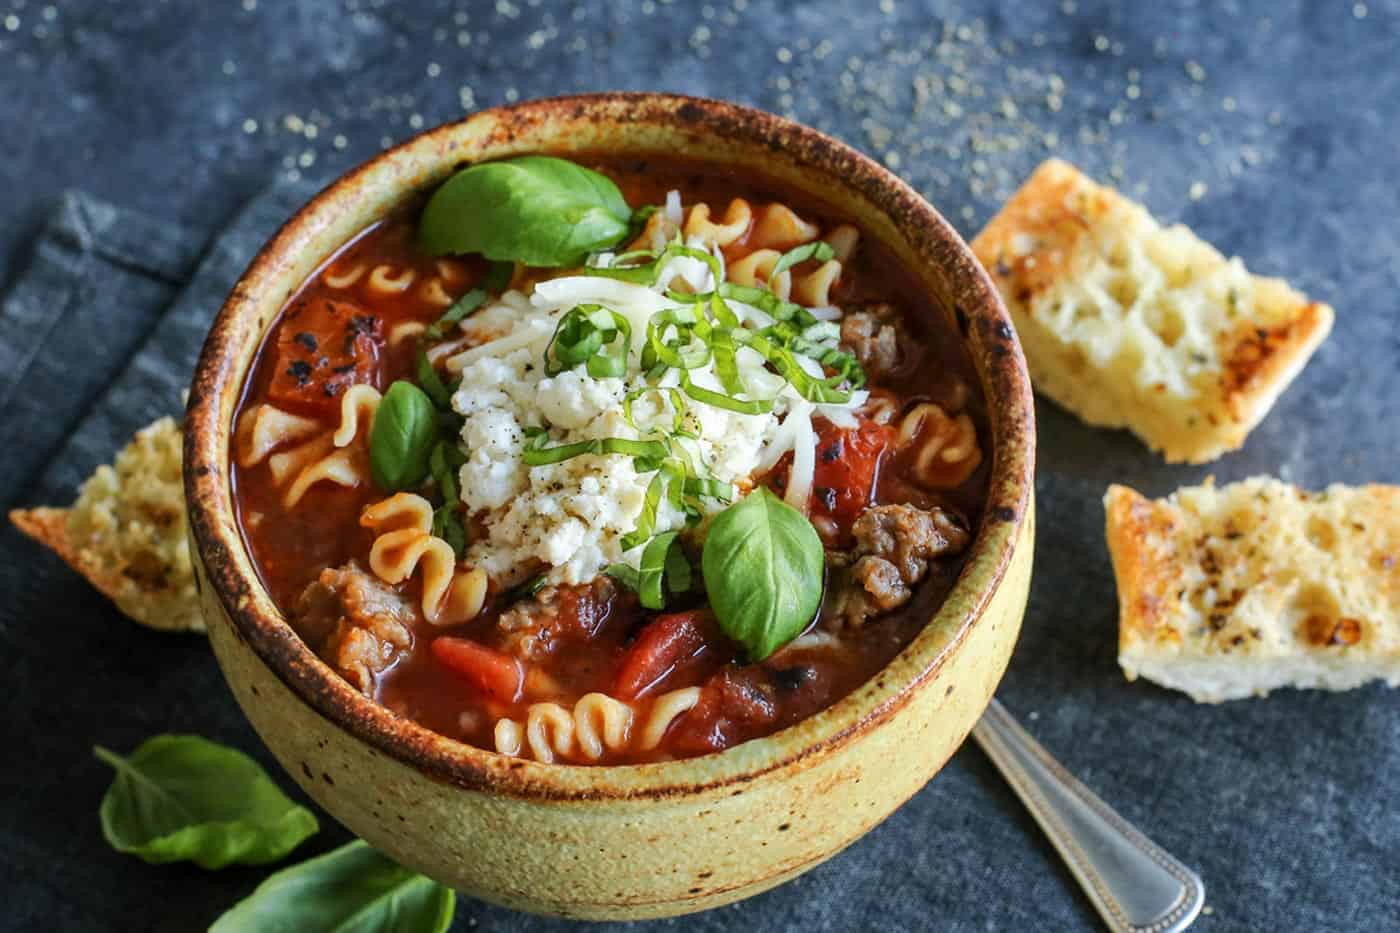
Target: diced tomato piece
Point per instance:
(498, 675)
(847, 469)
(324, 347)
(735, 705)
(662, 645)
(845, 476)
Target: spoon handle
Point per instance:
(1137, 886)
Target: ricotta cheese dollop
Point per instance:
(569, 518)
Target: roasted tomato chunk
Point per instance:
(497, 675)
(323, 348)
(663, 645)
(736, 704)
(844, 478)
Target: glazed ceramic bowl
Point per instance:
(638, 840)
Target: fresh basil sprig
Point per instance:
(184, 798)
(536, 210)
(350, 888)
(763, 568)
(402, 439)
(432, 383)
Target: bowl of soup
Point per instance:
(613, 506)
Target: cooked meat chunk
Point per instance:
(894, 546)
(558, 612)
(872, 333)
(357, 624)
(908, 537)
(884, 589)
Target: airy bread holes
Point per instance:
(1321, 533)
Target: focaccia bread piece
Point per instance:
(1228, 592)
(1129, 324)
(126, 532)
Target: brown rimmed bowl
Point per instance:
(638, 840)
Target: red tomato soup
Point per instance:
(688, 458)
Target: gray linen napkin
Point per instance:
(95, 287)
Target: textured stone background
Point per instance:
(1268, 127)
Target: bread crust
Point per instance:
(1056, 243)
(1148, 578)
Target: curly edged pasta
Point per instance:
(404, 544)
(265, 428)
(338, 455)
(944, 447)
(766, 232)
(726, 231)
(434, 288)
(596, 724)
(812, 289)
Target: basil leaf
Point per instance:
(184, 798)
(405, 430)
(763, 564)
(448, 525)
(626, 575)
(431, 382)
(353, 888)
(537, 210)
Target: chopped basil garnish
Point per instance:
(595, 336)
(626, 575)
(526, 590)
(431, 382)
(536, 454)
(448, 521)
(663, 566)
(817, 250)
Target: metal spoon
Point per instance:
(1137, 886)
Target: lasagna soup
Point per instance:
(609, 463)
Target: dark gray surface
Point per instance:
(1280, 119)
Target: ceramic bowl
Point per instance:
(640, 840)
